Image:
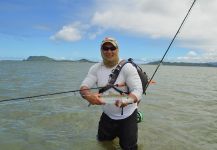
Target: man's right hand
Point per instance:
(92, 98)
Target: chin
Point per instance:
(110, 59)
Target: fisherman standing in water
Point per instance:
(119, 119)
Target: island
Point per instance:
(39, 58)
(45, 58)
(210, 64)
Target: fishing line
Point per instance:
(53, 98)
(177, 32)
(49, 94)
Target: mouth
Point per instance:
(110, 56)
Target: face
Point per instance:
(109, 52)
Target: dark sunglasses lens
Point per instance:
(105, 48)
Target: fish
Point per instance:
(113, 98)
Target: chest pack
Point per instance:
(114, 75)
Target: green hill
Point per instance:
(39, 58)
(185, 64)
(45, 58)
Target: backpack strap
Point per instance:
(113, 77)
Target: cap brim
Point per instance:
(113, 43)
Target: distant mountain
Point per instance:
(39, 58)
(84, 60)
(210, 64)
(213, 64)
(45, 58)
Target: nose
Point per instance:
(110, 50)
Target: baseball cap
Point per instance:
(110, 40)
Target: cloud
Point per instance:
(155, 19)
(94, 34)
(160, 19)
(71, 33)
(193, 56)
(152, 18)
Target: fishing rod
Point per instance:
(43, 95)
(73, 91)
(177, 32)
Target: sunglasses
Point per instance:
(107, 48)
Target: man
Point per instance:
(119, 119)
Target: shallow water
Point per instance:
(180, 110)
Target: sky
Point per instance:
(74, 29)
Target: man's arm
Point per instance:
(134, 83)
(89, 81)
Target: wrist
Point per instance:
(85, 92)
(133, 98)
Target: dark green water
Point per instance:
(180, 110)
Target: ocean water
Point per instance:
(180, 110)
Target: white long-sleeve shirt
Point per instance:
(99, 75)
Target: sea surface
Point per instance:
(180, 110)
